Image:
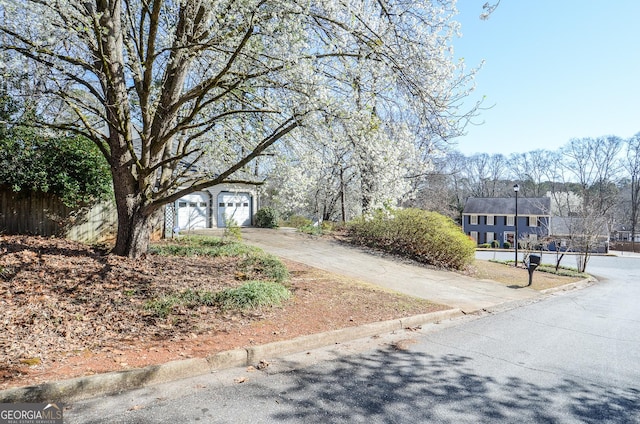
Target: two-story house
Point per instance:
(489, 219)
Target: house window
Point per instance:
(221, 204)
(509, 236)
(182, 204)
(490, 237)
(474, 236)
(510, 221)
(533, 221)
(490, 220)
(473, 219)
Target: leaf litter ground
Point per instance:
(69, 310)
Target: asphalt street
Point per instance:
(571, 357)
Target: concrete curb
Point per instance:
(571, 286)
(118, 381)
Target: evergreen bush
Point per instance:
(428, 237)
(267, 218)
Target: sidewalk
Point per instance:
(463, 294)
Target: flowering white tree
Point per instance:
(180, 95)
(347, 170)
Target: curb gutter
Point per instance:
(118, 381)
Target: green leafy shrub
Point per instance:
(484, 246)
(422, 235)
(506, 245)
(70, 167)
(495, 244)
(267, 218)
(253, 294)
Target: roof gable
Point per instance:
(539, 206)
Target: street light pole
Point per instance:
(516, 188)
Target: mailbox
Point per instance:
(534, 261)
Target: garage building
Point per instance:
(214, 208)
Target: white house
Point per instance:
(214, 207)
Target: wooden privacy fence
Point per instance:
(44, 214)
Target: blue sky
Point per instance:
(554, 70)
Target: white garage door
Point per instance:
(193, 211)
(235, 206)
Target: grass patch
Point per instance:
(563, 271)
(253, 294)
(162, 307)
(203, 246)
(270, 267)
(265, 272)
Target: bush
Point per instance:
(484, 246)
(506, 245)
(232, 230)
(297, 221)
(422, 235)
(267, 218)
(495, 244)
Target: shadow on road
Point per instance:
(404, 386)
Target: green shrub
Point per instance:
(297, 221)
(267, 218)
(506, 245)
(495, 244)
(422, 235)
(232, 230)
(253, 294)
(484, 246)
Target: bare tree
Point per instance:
(632, 166)
(589, 168)
(530, 169)
(486, 175)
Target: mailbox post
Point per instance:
(534, 261)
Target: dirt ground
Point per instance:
(68, 310)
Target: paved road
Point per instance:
(572, 358)
(442, 287)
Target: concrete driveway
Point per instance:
(442, 287)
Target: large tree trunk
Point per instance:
(134, 233)
(134, 214)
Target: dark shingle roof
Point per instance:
(507, 206)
